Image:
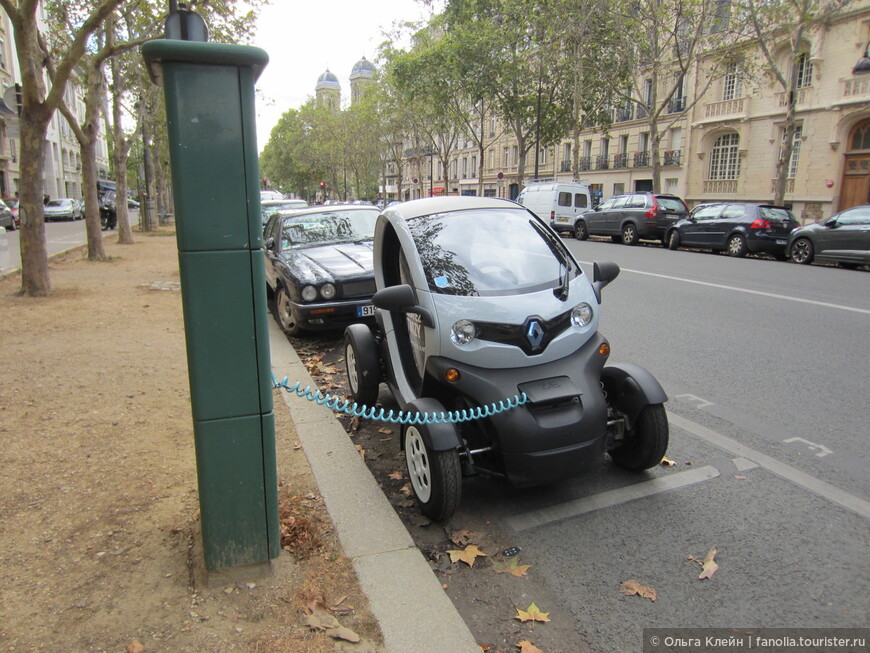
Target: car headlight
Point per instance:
(327, 291)
(462, 332)
(581, 315)
(309, 293)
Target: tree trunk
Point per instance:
(96, 251)
(35, 281)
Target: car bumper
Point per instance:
(772, 244)
(330, 315)
(559, 432)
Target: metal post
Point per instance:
(209, 92)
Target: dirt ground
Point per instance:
(99, 530)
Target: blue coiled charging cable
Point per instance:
(381, 415)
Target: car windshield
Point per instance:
(59, 203)
(328, 227)
(489, 252)
(671, 204)
(269, 207)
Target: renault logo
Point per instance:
(535, 333)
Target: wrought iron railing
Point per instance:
(672, 158)
(641, 159)
(584, 163)
(620, 160)
(602, 162)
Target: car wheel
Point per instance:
(674, 239)
(581, 231)
(629, 234)
(436, 477)
(361, 360)
(646, 444)
(284, 313)
(802, 251)
(736, 246)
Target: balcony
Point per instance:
(855, 88)
(641, 159)
(672, 158)
(789, 185)
(802, 96)
(642, 112)
(677, 105)
(622, 114)
(585, 163)
(620, 160)
(602, 162)
(735, 108)
(720, 186)
(565, 166)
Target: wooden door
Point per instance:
(856, 181)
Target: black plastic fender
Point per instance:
(437, 436)
(630, 387)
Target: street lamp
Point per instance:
(430, 153)
(863, 65)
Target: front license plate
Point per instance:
(366, 310)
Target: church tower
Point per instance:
(328, 91)
(362, 75)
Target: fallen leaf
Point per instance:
(532, 614)
(742, 478)
(709, 566)
(510, 566)
(297, 445)
(526, 646)
(467, 555)
(667, 462)
(632, 587)
(135, 647)
(396, 476)
(461, 537)
(385, 431)
(406, 489)
(342, 633)
(362, 451)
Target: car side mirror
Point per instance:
(831, 224)
(401, 298)
(602, 274)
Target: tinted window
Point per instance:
(706, 212)
(328, 227)
(776, 213)
(671, 204)
(580, 200)
(734, 211)
(460, 256)
(860, 215)
(564, 199)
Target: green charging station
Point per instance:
(209, 94)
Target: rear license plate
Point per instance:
(366, 310)
(561, 219)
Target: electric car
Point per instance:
(486, 331)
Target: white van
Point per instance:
(560, 202)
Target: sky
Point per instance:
(304, 38)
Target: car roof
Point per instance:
(430, 205)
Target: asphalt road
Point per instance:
(765, 364)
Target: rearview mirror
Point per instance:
(401, 298)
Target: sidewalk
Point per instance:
(99, 531)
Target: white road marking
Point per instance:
(744, 464)
(746, 291)
(611, 498)
(702, 403)
(821, 488)
(823, 450)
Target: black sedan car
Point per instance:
(843, 238)
(319, 268)
(736, 228)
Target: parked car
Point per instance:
(631, 218)
(270, 195)
(7, 220)
(735, 227)
(268, 207)
(319, 267)
(13, 204)
(843, 238)
(559, 203)
(64, 208)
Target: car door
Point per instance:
(271, 247)
(718, 230)
(694, 232)
(613, 215)
(596, 220)
(847, 238)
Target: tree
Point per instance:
(782, 30)
(37, 62)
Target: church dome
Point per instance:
(327, 80)
(363, 68)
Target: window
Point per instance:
(804, 70)
(564, 199)
(707, 211)
(515, 155)
(580, 200)
(861, 137)
(677, 138)
(474, 166)
(618, 189)
(636, 202)
(567, 154)
(605, 147)
(643, 142)
(732, 86)
(795, 151)
(734, 211)
(492, 159)
(505, 159)
(858, 215)
(623, 144)
(671, 185)
(587, 148)
(3, 54)
(725, 157)
(647, 92)
(544, 151)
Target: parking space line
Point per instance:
(789, 473)
(611, 498)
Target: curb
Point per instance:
(12, 271)
(406, 598)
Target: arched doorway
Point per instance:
(855, 185)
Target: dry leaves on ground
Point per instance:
(708, 564)
(533, 613)
(632, 588)
(467, 555)
(510, 566)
